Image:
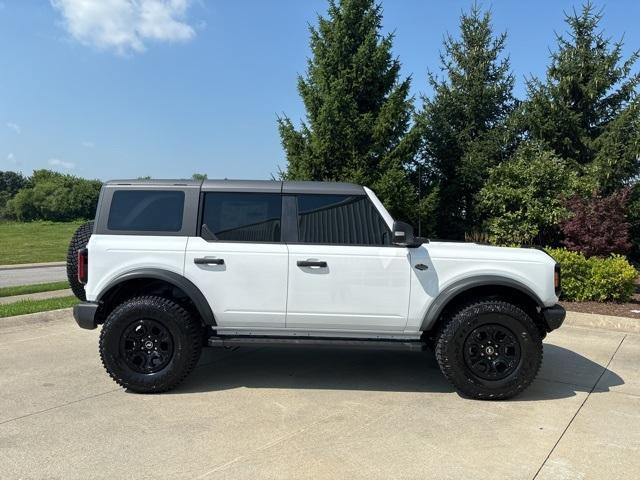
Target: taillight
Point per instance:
(83, 264)
(556, 279)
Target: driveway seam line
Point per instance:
(59, 406)
(604, 370)
(563, 383)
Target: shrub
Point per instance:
(521, 199)
(594, 279)
(10, 184)
(596, 225)
(54, 196)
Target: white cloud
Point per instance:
(125, 25)
(15, 127)
(11, 158)
(56, 162)
(87, 144)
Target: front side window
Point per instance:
(340, 219)
(244, 217)
(146, 210)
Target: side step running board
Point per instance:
(239, 341)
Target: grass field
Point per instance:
(35, 242)
(33, 306)
(37, 288)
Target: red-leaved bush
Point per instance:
(597, 225)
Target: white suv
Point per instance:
(172, 266)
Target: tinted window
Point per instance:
(340, 219)
(248, 217)
(146, 210)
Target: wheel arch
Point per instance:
(141, 281)
(477, 287)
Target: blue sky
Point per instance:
(171, 87)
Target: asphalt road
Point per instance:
(314, 414)
(28, 276)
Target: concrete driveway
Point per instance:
(314, 414)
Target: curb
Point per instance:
(603, 322)
(22, 266)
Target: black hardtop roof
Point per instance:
(258, 186)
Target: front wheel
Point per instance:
(490, 350)
(150, 344)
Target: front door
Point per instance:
(344, 274)
(238, 261)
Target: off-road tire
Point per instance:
(79, 241)
(186, 333)
(450, 347)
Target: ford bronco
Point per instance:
(171, 266)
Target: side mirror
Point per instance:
(403, 236)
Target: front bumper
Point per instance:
(85, 315)
(553, 316)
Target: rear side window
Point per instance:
(243, 217)
(146, 210)
(340, 219)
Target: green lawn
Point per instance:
(33, 306)
(36, 288)
(35, 242)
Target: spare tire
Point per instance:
(79, 241)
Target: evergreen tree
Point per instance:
(587, 109)
(465, 126)
(358, 109)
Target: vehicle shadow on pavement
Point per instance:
(563, 373)
(318, 368)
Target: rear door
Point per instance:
(238, 260)
(344, 274)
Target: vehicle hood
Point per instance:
(476, 251)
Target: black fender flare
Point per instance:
(175, 279)
(446, 295)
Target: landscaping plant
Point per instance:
(597, 279)
(596, 225)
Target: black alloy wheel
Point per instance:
(492, 352)
(147, 346)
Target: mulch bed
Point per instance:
(629, 309)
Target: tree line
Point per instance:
(467, 161)
(49, 195)
(473, 161)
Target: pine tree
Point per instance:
(465, 124)
(358, 110)
(587, 109)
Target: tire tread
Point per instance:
(193, 342)
(78, 241)
(449, 369)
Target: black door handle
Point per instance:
(311, 263)
(208, 261)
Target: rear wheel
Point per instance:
(490, 350)
(150, 344)
(78, 241)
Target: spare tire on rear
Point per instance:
(79, 241)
